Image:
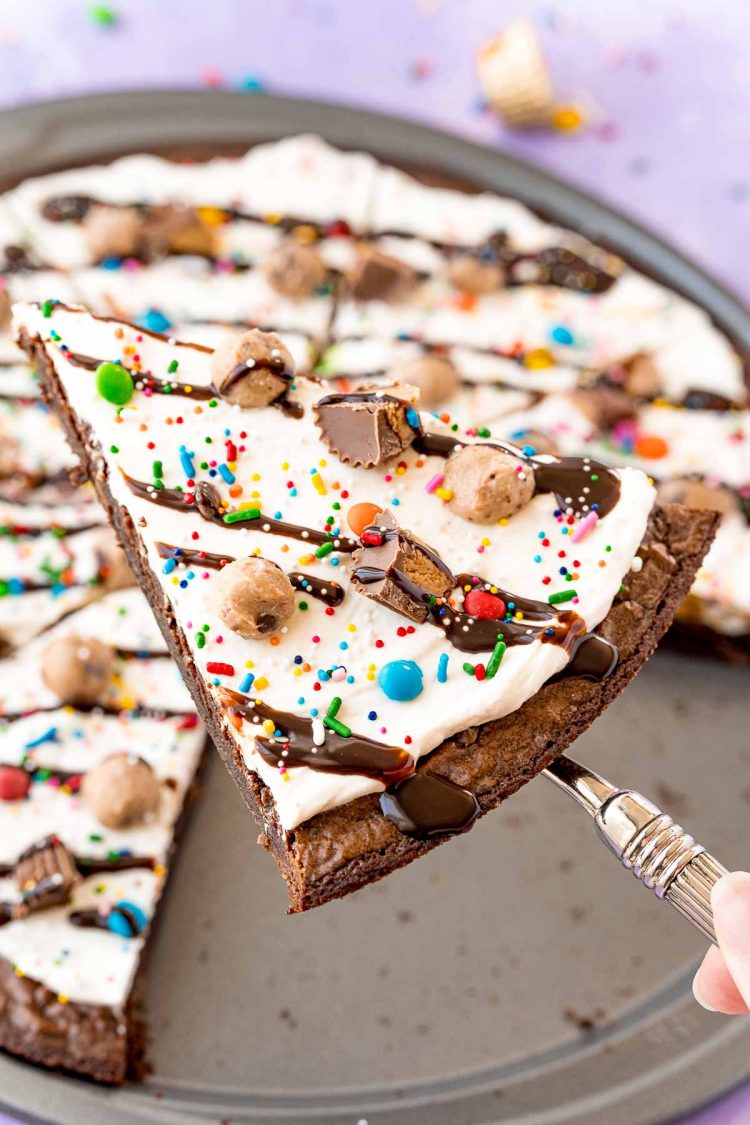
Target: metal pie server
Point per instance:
(647, 842)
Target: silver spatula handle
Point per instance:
(647, 841)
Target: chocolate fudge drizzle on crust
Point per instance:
(418, 804)
(296, 746)
(426, 805)
(560, 266)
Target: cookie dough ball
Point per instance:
(78, 669)
(252, 369)
(697, 494)
(114, 571)
(643, 379)
(295, 269)
(122, 791)
(487, 484)
(471, 274)
(112, 232)
(254, 597)
(434, 375)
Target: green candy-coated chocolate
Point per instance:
(115, 383)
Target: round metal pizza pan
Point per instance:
(517, 975)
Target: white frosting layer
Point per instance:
(274, 451)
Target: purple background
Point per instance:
(666, 92)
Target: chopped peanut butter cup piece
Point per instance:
(45, 875)
(5, 303)
(175, 229)
(642, 379)
(376, 276)
(694, 492)
(398, 570)
(604, 406)
(367, 428)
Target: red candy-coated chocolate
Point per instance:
(338, 229)
(372, 538)
(14, 783)
(487, 607)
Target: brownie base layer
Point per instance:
(88, 1040)
(341, 850)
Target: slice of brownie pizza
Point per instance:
(98, 750)
(388, 625)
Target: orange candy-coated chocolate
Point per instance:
(361, 516)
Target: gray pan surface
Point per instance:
(517, 975)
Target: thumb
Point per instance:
(730, 900)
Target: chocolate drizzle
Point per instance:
(144, 381)
(181, 501)
(427, 805)
(709, 400)
(67, 208)
(586, 269)
(295, 746)
(99, 865)
(321, 588)
(91, 918)
(579, 483)
(325, 590)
